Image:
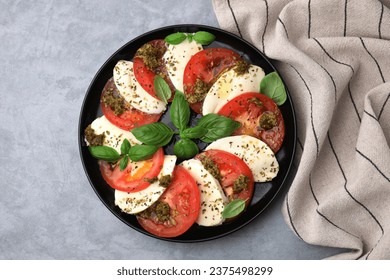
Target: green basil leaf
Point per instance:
(123, 163)
(190, 37)
(142, 152)
(217, 127)
(175, 38)
(180, 111)
(156, 134)
(185, 149)
(272, 86)
(195, 132)
(104, 153)
(203, 37)
(125, 147)
(163, 91)
(234, 208)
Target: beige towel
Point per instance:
(335, 58)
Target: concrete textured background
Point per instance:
(50, 51)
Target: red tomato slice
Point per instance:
(131, 179)
(183, 197)
(207, 65)
(131, 117)
(145, 76)
(251, 114)
(231, 167)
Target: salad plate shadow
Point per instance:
(264, 192)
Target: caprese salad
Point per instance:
(238, 117)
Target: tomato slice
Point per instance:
(183, 198)
(134, 177)
(231, 168)
(131, 117)
(206, 66)
(144, 74)
(259, 117)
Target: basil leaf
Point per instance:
(234, 208)
(185, 149)
(217, 127)
(123, 163)
(125, 147)
(175, 38)
(195, 132)
(203, 37)
(142, 152)
(156, 134)
(163, 91)
(180, 111)
(190, 37)
(272, 86)
(104, 153)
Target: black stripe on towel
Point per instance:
(345, 17)
(333, 82)
(234, 17)
(309, 27)
(346, 189)
(289, 216)
(266, 25)
(353, 101)
(372, 116)
(339, 62)
(322, 215)
(311, 109)
(284, 26)
(376, 62)
(300, 144)
(380, 22)
(350, 67)
(383, 106)
(373, 164)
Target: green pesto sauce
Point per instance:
(92, 138)
(150, 55)
(116, 103)
(163, 211)
(165, 181)
(268, 120)
(240, 184)
(211, 167)
(199, 92)
(242, 67)
(151, 180)
(255, 101)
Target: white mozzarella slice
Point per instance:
(231, 85)
(113, 135)
(176, 58)
(212, 197)
(132, 91)
(136, 202)
(256, 154)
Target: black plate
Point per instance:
(264, 192)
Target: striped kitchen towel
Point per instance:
(335, 58)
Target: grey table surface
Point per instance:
(50, 51)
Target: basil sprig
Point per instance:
(162, 89)
(209, 128)
(234, 208)
(272, 86)
(156, 134)
(135, 153)
(217, 127)
(201, 37)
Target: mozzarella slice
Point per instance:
(231, 85)
(212, 197)
(256, 154)
(113, 135)
(132, 91)
(133, 203)
(176, 58)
